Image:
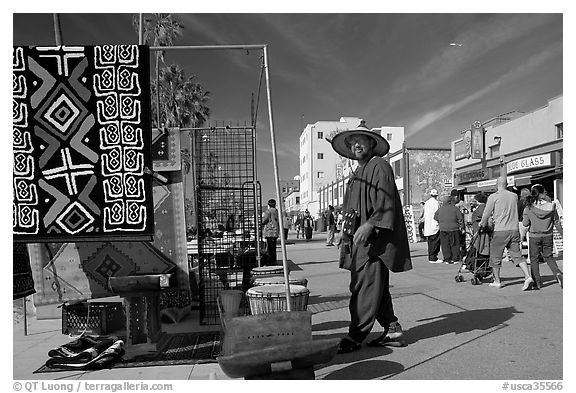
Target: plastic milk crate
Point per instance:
(102, 318)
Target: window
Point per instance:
(320, 135)
(297, 200)
(320, 156)
(494, 151)
(560, 131)
(397, 172)
(389, 136)
(320, 175)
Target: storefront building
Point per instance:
(527, 149)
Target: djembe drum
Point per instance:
(277, 280)
(265, 299)
(267, 271)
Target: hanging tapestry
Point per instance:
(166, 149)
(23, 283)
(81, 143)
(78, 271)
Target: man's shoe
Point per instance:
(393, 337)
(436, 261)
(346, 346)
(527, 283)
(495, 284)
(560, 279)
(448, 263)
(394, 330)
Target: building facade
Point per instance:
(416, 171)
(528, 149)
(318, 162)
(322, 170)
(292, 203)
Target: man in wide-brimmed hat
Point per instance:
(374, 238)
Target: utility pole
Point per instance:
(57, 29)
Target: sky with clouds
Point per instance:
(390, 69)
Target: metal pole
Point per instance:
(215, 128)
(25, 318)
(256, 207)
(57, 29)
(141, 29)
(277, 182)
(207, 47)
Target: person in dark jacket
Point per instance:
(331, 223)
(374, 238)
(451, 224)
(541, 216)
(477, 213)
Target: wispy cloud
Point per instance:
(477, 42)
(524, 69)
(211, 29)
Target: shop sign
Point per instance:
(470, 176)
(462, 148)
(492, 182)
(531, 162)
(477, 140)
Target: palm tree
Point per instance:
(184, 101)
(159, 30)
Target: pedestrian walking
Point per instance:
(307, 225)
(522, 203)
(451, 225)
(374, 238)
(285, 226)
(271, 230)
(431, 229)
(464, 209)
(502, 206)
(421, 222)
(298, 225)
(331, 222)
(477, 213)
(540, 216)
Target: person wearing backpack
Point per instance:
(271, 230)
(540, 215)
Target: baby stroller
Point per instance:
(477, 258)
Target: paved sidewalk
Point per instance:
(455, 331)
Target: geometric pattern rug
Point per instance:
(177, 349)
(78, 271)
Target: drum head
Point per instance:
(277, 290)
(268, 269)
(276, 280)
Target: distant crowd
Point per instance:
(494, 227)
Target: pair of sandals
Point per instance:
(347, 345)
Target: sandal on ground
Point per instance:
(346, 346)
(384, 341)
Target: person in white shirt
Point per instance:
(431, 228)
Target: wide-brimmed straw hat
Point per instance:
(341, 141)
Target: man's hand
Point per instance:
(363, 233)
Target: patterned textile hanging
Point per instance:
(81, 143)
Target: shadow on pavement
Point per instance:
(360, 364)
(460, 322)
(316, 262)
(367, 370)
(330, 326)
(315, 299)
